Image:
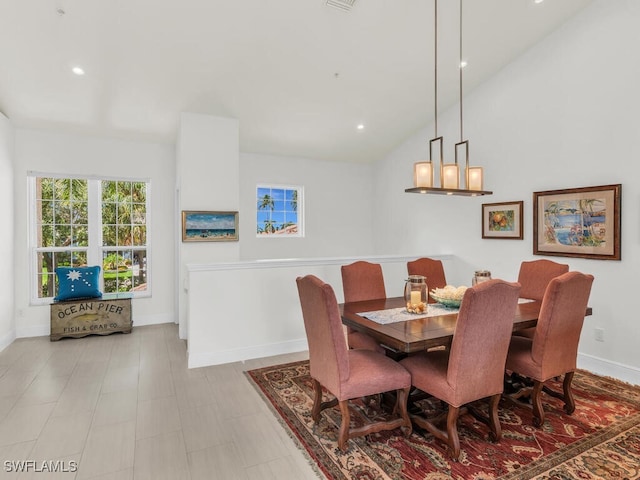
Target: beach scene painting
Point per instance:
(581, 222)
(278, 211)
(206, 226)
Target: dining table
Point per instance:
(400, 332)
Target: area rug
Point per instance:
(601, 440)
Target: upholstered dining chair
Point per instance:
(534, 277)
(473, 368)
(362, 281)
(431, 269)
(345, 373)
(553, 350)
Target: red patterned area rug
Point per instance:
(601, 440)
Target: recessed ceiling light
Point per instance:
(538, 1)
(78, 70)
(360, 126)
(463, 64)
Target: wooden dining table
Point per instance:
(420, 333)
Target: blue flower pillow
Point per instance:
(78, 282)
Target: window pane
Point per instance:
(44, 188)
(109, 235)
(79, 189)
(79, 213)
(138, 214)
(139, 192)
(124, 213)
(124, 235)
(62, 212)
(80, 236)
(45, 211)
(62, 235)
(117, 271)
(139, 234)
(45, 236)
(139, 270)
(109, 212)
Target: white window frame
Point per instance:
(95, 248)
(299, 211)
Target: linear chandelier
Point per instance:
(423, 172)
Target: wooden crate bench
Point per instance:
(91, 316)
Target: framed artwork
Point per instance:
(578, 222)
(204, 226)
(502, 220)
(279, 211)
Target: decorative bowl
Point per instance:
(447, 302)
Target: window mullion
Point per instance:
(94, 254)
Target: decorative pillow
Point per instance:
(78, 282)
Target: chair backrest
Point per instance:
(362, 281)
(328, 357)
(430, 268)
(534, 277)
(481, 339)
(555, 341)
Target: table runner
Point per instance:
(393, 315)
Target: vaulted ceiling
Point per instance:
(299, 75)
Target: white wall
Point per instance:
(7, 320)
(207, 175)
(50, 152)
(563, 115)
(255, 310)
(337, 207)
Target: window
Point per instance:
(80, 221)
(279, 211)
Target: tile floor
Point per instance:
(127, 407)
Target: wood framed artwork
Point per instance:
(502, 220)
(578, 222)
(206, 226)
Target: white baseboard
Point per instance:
(7, 339)
(608, 368)
(246, 353)
(157, 319)
(34, 331)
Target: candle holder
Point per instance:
(415, 294)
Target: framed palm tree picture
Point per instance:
(578, 222)
(279, 211)
(206, 226)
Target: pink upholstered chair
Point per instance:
(473, 368)
(554, 347)
(347, 374)
(362, 281)
(534, 277)
(430, 268)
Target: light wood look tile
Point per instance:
(221, 462)
(24, 422)
(109, 448)
(116, 407)
(157, 416)
(126, 407)
(161, 457)
(62, 437)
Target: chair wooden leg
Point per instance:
(318, 405)
(343, 434)
(569, 402)
(536, 400)
(317, 401)
(494, 422)
(401, 406)
(452, 432)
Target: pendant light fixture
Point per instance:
(423, 178)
